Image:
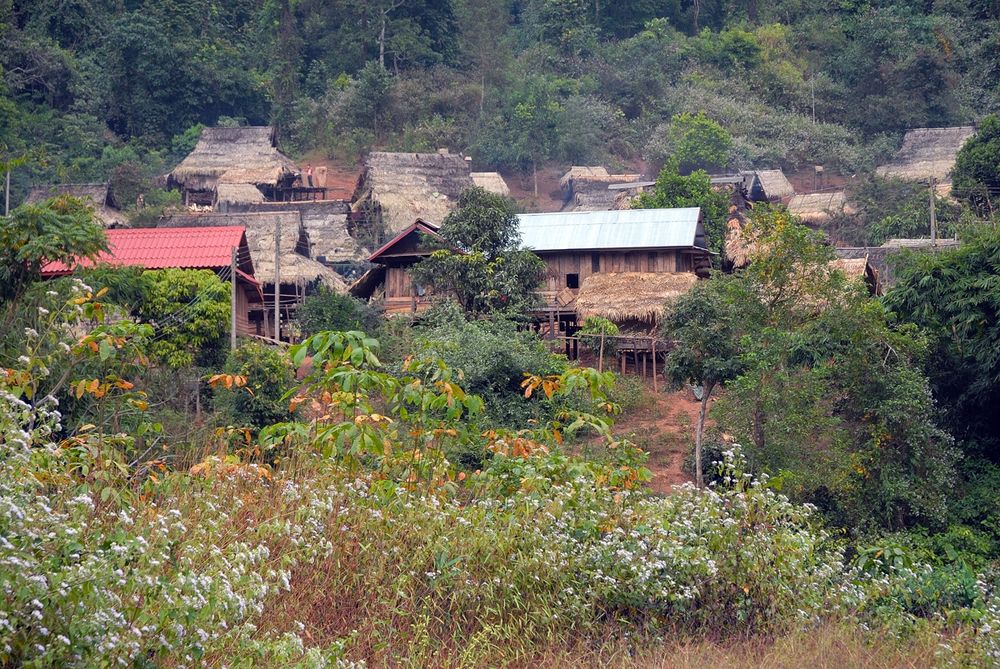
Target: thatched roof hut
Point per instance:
(491, 181)
(631, 296)
(296, 267)
(927, 154)
(98, 195)
(586, 188)
(402, 187)
(817, 208)
(245, 155)
(859, 269)
(768, 185)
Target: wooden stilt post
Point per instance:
(552, 324)
(600, 356)
(655, 389)
(622, 355)
(232, 301)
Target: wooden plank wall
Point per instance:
(558, 265)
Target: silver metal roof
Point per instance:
(616, 229)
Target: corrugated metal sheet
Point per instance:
(161, 248)
(616, 229)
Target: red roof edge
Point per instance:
(422, 226)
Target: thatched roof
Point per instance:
(96, 194)
(325, 222)
(860, 269)
(408, 186)
(228, 194)
(296, 266)
(491, 181)
(588, 188)
(623, 296)
(927, 153)
(771, 185)
(919, 243)
(246, 155)
(881, 258)
(816, 208)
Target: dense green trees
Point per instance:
(515, 83)
(62, 229)
(482, 265)
(976, 177)
(823, 387)
(673, 189)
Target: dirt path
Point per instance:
(663, 426)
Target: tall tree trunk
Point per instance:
(381, 39)
(534, 175)
(695, 15)
(699, 434)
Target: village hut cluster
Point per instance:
(290, 239)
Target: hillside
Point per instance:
(93, 91)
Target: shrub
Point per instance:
(269, 376)
(327, 310)
(592, 331)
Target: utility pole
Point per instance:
(232, 301)
(277, 278)
(933, 214)
(812, 86)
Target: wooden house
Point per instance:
(633, 251)
(98, 196)
(208, 248)
(244, 161)
(389, 280)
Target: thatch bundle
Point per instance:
(408, 186)
(739, 249)
(97, 195)
(491, 181)
(817, 208)
(246, 155)
(631, 296)
(927, 154)
(296, 267)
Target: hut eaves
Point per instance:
(631, 296)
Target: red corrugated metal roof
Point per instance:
(162, 248)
